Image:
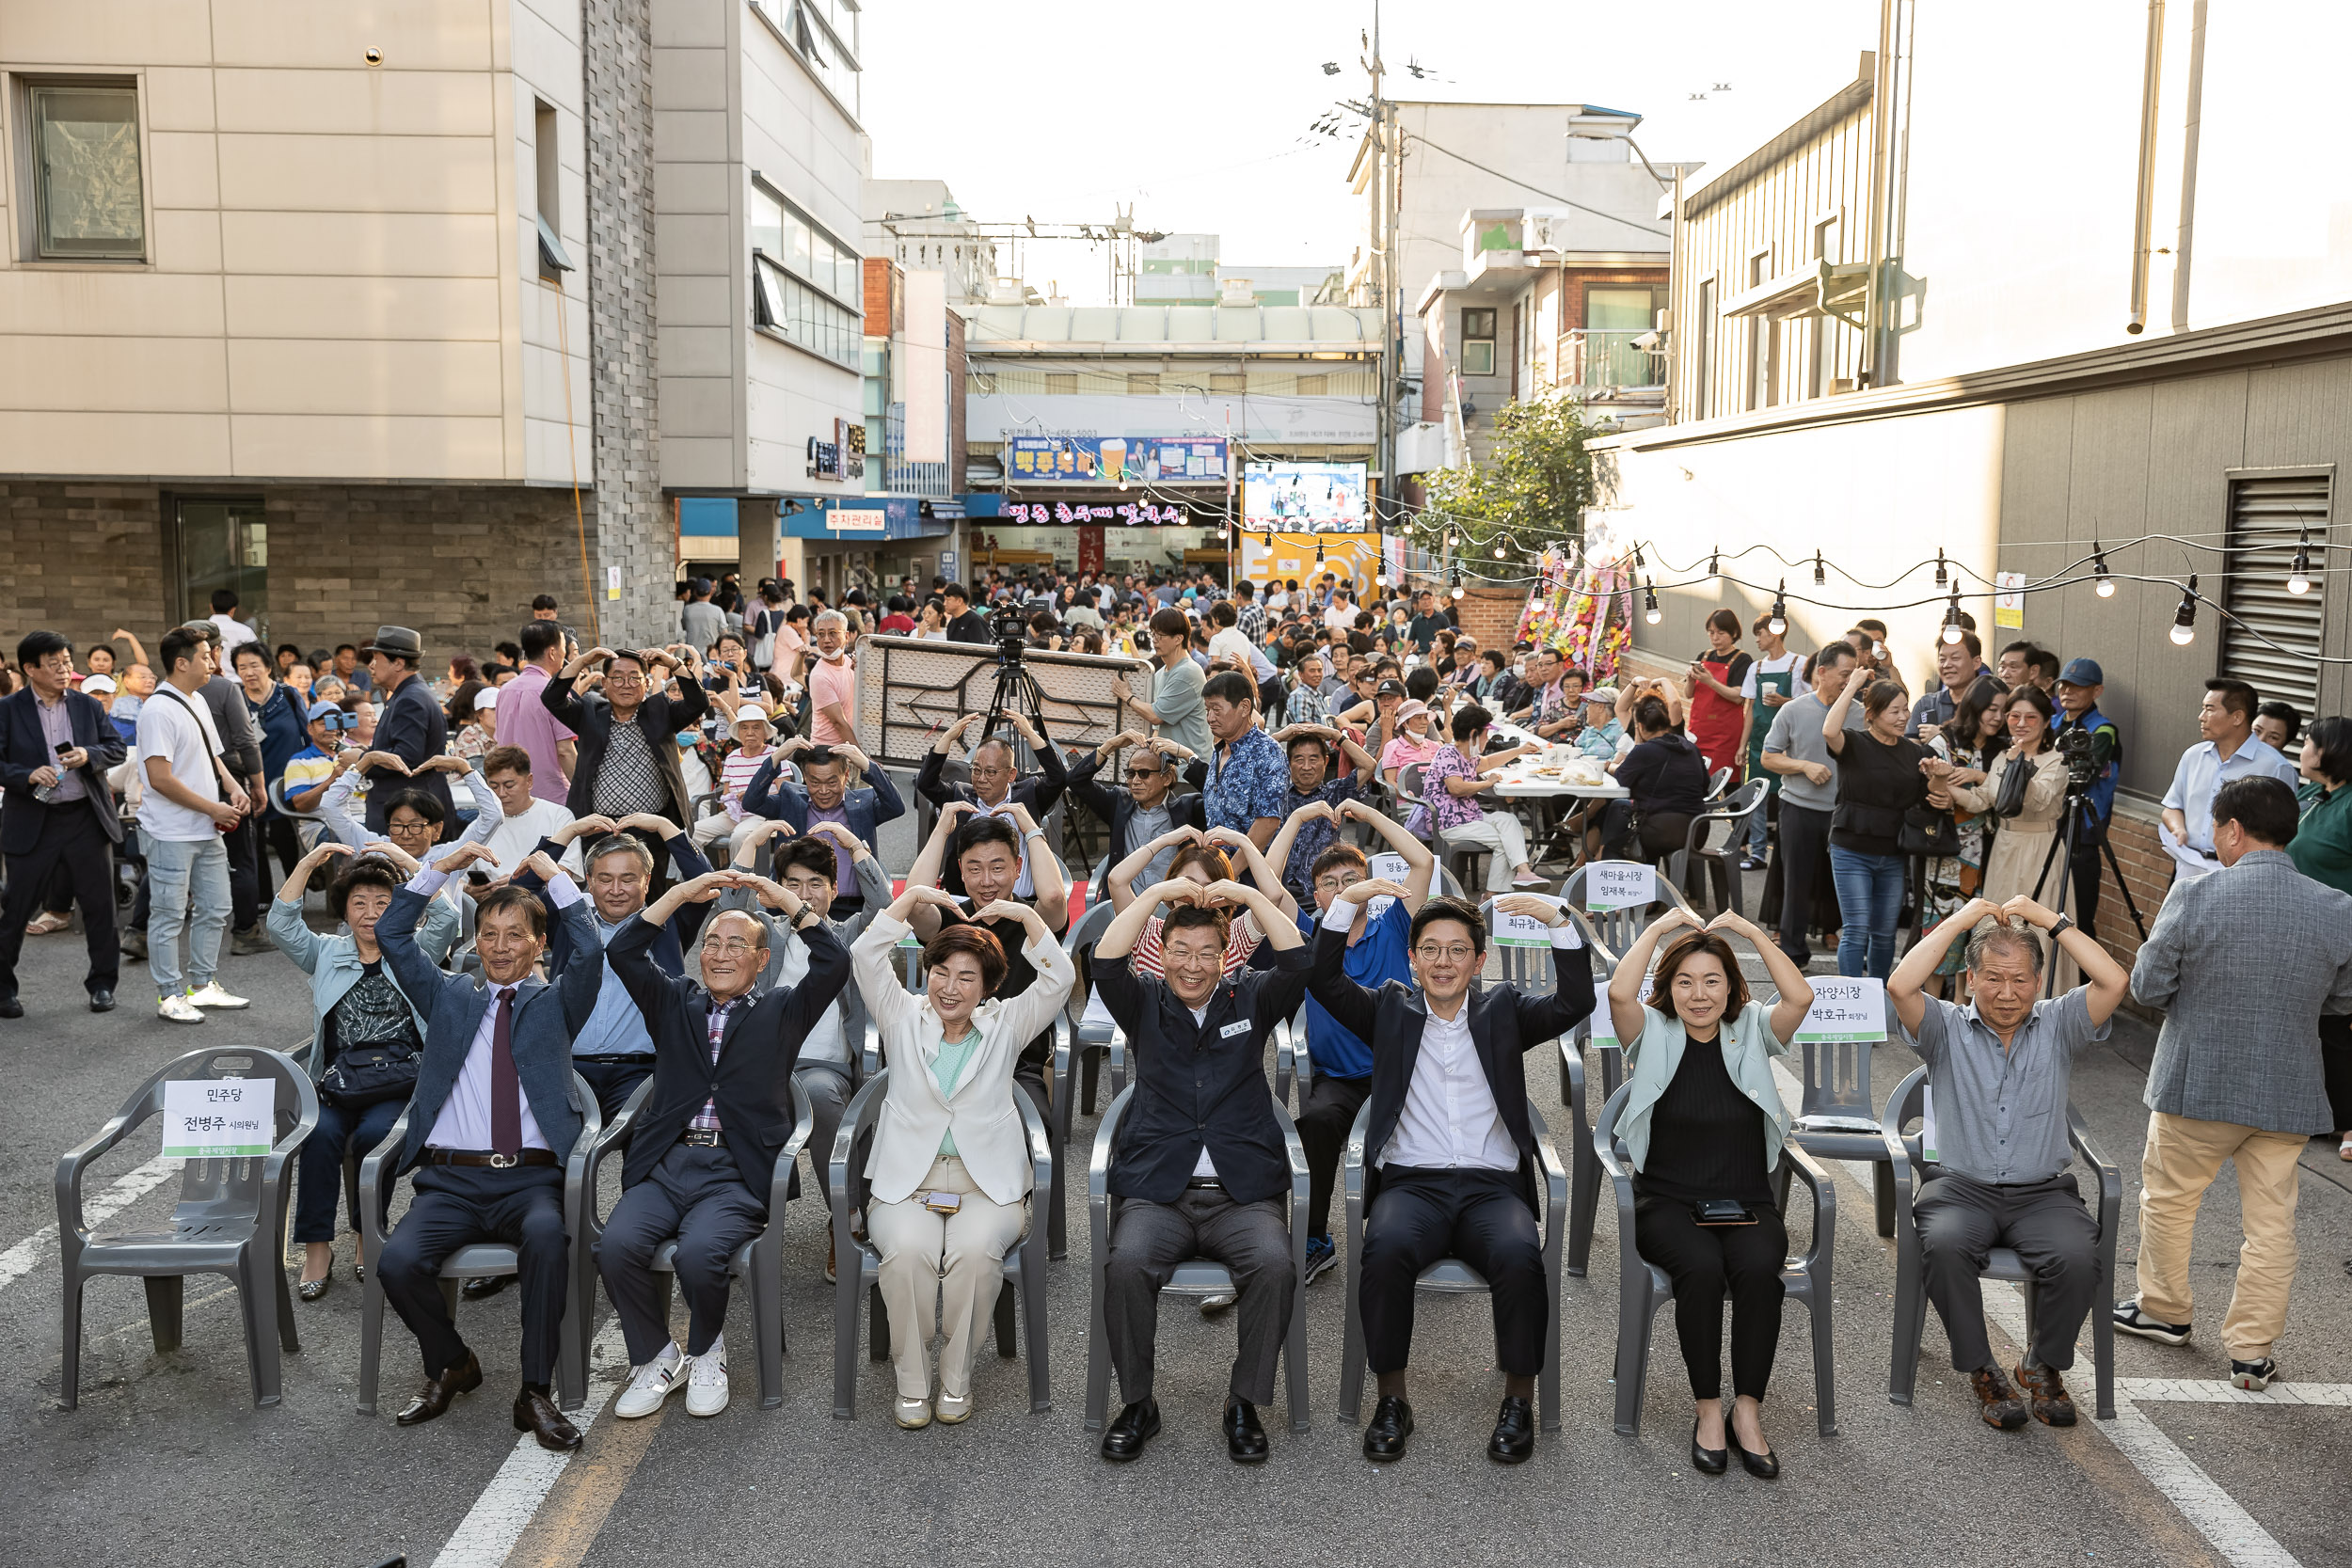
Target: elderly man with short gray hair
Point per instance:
(832, 681)
(2238, 1074)
(2000, 1068)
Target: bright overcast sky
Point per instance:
(1198, 115)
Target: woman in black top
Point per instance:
(1666, 779)
(1878, 779)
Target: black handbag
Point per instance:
(365, 1075)
(1930, 832)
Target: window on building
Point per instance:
(2271, 639)
(548, 201)
(83, 151)
(1478, 342)
(1763, 389)
(1143, 383)
(804, 282)
(1612, 319)
(1062, 383)
(1821, 374)
(1704, 394)
(1220, 382)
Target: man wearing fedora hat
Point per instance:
(411, 726)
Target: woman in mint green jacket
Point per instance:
(1703, 1125)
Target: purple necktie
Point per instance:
(507, 1101)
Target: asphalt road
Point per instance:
(166, 1460)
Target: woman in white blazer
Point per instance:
(950, 1161)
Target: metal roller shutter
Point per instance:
(2271, 638)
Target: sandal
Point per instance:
(48, 923)
(2343, 1150)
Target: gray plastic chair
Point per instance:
(1713, 834)
(1911, 1297)
(1837, 1120)
(1091, 1042)
(858, 1264)
(1642, 1286)
(1293, 1062)
(480, 1259)
(757, 1264)
(231, 1220)
(1451, 1276)
(1196, 1276)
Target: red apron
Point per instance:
(1715, 721)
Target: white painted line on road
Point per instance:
(21, 1258)
(504, 1510)
(2227, 1527)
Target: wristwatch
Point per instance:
(2063, 923)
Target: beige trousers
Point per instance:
(1501, 832)
(2183, 1158)
(941, 1271)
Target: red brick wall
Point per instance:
(1490, 614)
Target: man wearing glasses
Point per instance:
(628, 757)
(1148, 808)
(997, 784)
(1450, 1153)
(703, 1161)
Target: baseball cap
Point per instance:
(1388, 689)
(486, 697)
(1604, 696)
(2082, 672)
(325, 710)
(98, 683)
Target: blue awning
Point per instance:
(870, 518)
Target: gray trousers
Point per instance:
(696, 1195)
(1149, 1239)
(828, 1090)
(1961, 1219)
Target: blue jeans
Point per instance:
(1869, 900)
(322, 1164)
(1751, 837)
(187, 890)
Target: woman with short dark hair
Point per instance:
(950, 1161)
(1703, 1125)
(355, 1004)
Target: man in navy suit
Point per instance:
(490, 1124)
(56, 747)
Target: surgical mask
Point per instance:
(1520, 668)
(686, 739)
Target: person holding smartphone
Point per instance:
(1703, 1125)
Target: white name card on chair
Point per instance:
(1387, 866)
(1523, 930)
(1604, 1023)
(1619, 885)
(1844, 1011)
(219, 1118)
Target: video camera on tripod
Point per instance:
(2082, 768)
(1011, 630)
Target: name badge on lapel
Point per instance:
(1239, 1026)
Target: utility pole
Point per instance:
(1387, 148)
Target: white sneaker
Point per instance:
(213, 996)
(654, 1382)
(913, 1415)
(707, 1386)
(953, 1408)
(179, 1010)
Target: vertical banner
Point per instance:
(1090, 549)
(927, 367)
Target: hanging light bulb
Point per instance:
(1650, 611)
(1820, 578)
(1318, 552)
(1453, 540)
(2299, 579)
(1941, 576)
(1714, 564)
(1457, 582)
(1498, 552)
(1779, 622)
(1953, 630)
(2105, 584)
(2184, 618)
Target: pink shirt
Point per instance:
(524, 720)
(830, 684)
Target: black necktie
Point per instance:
(507, 1085)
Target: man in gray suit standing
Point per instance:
(2244, 961)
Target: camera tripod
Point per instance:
(2078, 820)
(1015, 690)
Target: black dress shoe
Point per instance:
(537, 1414)
(1763, 1466)
(477, 1290)
(102, 1001)
(1514, 1439)
(1245, 1438)
(1391, 1423)
(434, 1398)
(12, 1007)
(1137, 1424)
(1707, 1462)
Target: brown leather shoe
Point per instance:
(434, 1398)
(537, 1414)
(2002, 1407)
(2053, 1406)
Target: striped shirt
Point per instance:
(735, 773)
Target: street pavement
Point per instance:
(166, 1461)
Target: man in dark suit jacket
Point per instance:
(997, 781)
(412, 726)
(822, 795)
(702, 1163)
(616, 773)
(490, 1124)
(57, 742)
(1151, 782)
(1198, 1162)
(1449, 1152)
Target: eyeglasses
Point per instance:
(1337, 884)
(623, 680)
(1430, 953)
(727, 947)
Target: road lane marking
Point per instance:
(27, 1254)
(504, 1510)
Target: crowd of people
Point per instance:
(660, 868)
